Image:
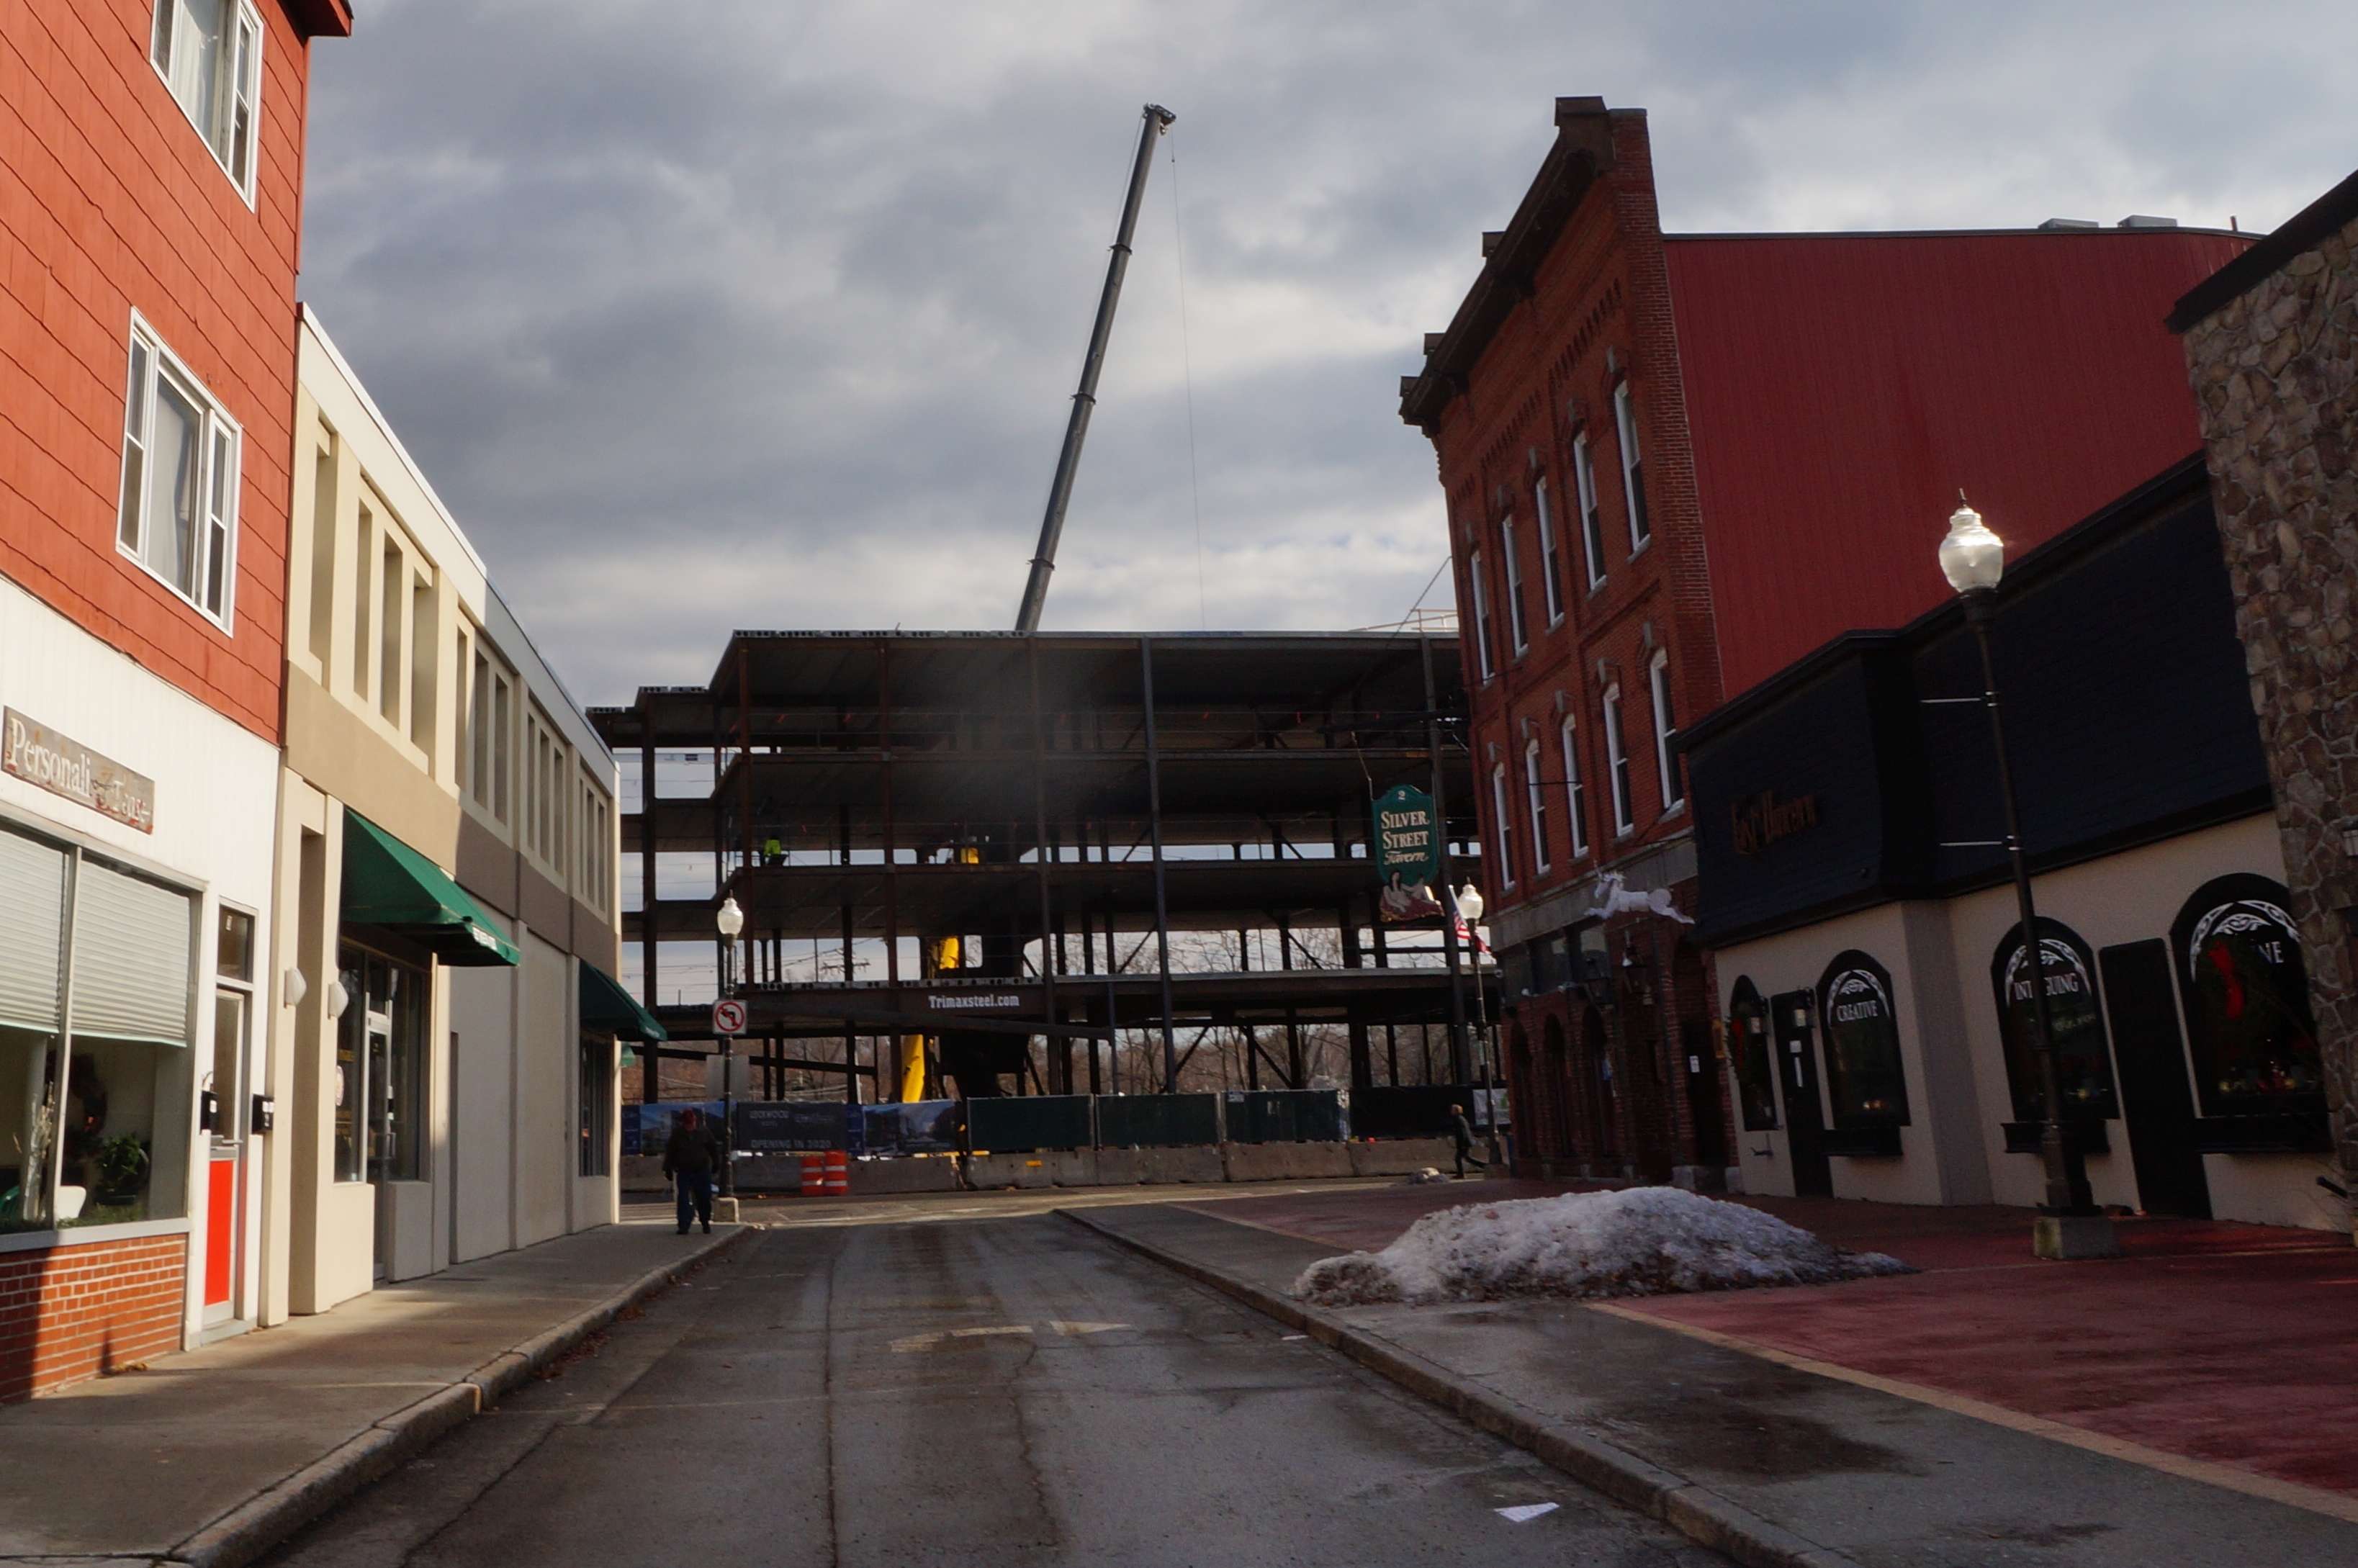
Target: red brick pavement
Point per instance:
(2235, 1344)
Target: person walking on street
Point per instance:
(690, 1157)
(1461, 1132)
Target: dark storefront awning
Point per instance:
(388, 884)
(607, 1008)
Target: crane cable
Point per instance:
(1188, 376)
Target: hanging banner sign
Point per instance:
(1407, 842)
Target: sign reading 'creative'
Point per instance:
(40, 756)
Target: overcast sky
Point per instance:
(714, 313)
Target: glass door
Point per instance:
(224, 1186)
(225, 1170)
(381, 1123)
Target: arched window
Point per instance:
(2245, 988)
(1481, 613)
(1576, 808)
(1551, 564)
(1538, 799)
(1616, 763)
(1514, 560)
(2083, 1067)
(1505, 826)
(1755, 1059)
(1861, 1025)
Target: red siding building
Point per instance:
(151, 161)
(1673, 465)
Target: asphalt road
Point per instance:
(1008, 1392)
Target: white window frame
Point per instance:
(1633, 487)
(221, 439)
(1505, 826)
(1658, 676)
(1574, 805)
(1616, 766)
(1592, 520)
(1551, 558)
(1481, 615)
(236, 88)
(1515, 623)
(1537, 803)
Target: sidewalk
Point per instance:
(1766, 1422)
(210, 1456)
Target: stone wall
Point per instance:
(2275, 372)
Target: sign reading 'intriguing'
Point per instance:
(40, 756)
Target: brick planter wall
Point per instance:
(72, 1313)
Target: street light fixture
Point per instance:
(1469, 909)
(731, 922)
(2070, 1225)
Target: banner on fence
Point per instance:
(786, 1127)
(647, 1127)
(914, 1127)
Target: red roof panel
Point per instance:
(1842, 389)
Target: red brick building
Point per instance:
(151, 164)
(1674, 464)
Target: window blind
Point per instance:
(131, 958)
(32, 921)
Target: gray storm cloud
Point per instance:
(754, 313)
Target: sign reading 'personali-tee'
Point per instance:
(40, 756)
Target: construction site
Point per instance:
(989, 863)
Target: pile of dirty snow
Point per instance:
(1645, 1241)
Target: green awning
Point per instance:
(388, 884)
(607, 1008)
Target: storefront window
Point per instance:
(1756, 1063)
(128, 1077)
(28, 1092)
(380, 1125)
(32, 1011)
(2247, 994)
(1862, 1039)
(351, 1034)
(597, 1102)
(2083, 1067)
(93, 1126)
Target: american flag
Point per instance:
(1466, 933)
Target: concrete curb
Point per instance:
(1693, 1511)
(263, 1521)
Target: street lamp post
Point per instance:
(730, 920)
(1470, 906)
(2070, 1225)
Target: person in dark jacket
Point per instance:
(690, 1157)
(1461, 1132)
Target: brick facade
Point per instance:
(72, 1313)
(1598, 1074)
(2272, 350)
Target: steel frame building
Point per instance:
(1050, 800)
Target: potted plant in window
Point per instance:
(121, 1172)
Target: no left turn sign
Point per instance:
(729, 1017)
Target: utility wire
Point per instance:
(1188, 376)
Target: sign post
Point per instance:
(728, 1022)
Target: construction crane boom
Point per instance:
(1076, 429)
